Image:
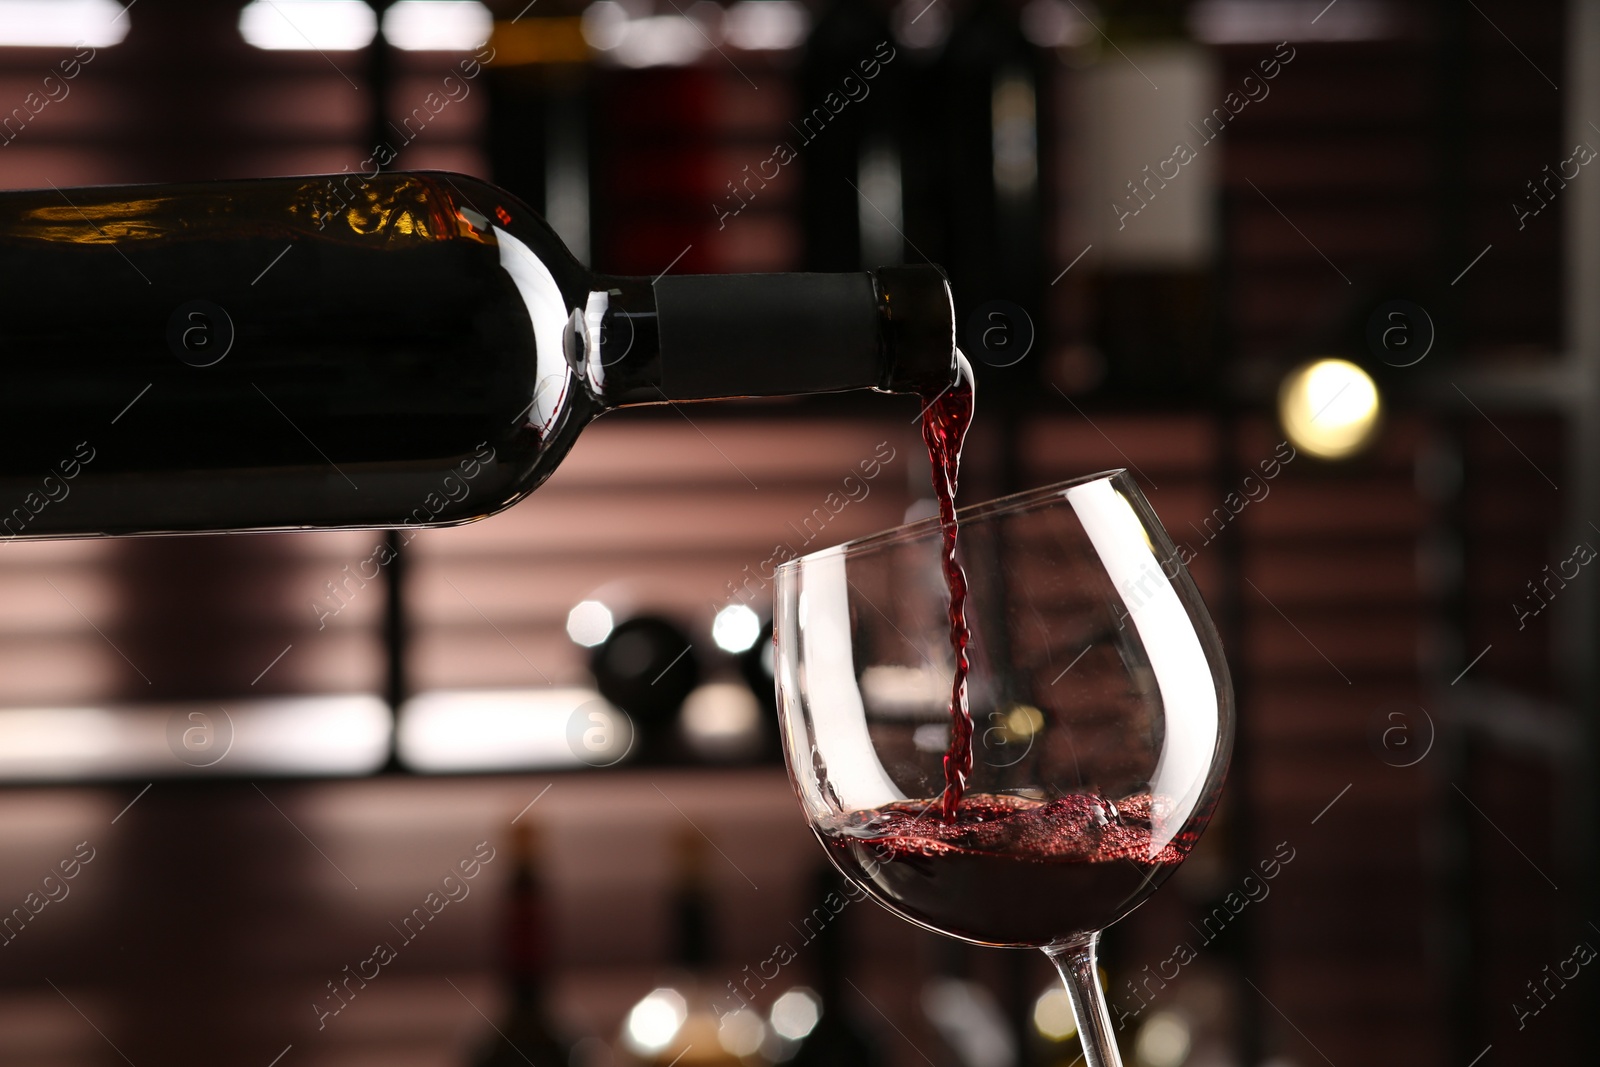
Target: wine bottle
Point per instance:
(646, 666)
(836, 1038)
(524, 1036)
(410, 349)
(851, 190)
(676, 1022)
(971, 1028)
(989, 215)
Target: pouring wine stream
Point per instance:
(945, 421)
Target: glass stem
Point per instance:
(1076, 962)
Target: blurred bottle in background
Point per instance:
(523, 1035)
(978, 204)
(540, 114)
(1148, 169)
(647, 665)
(731, 718)
(687, 699)
(850, 103)
(815, 1028)
(990, 76)
(756, 665)
(972, 1029)
(676, 1023)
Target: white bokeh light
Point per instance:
(655, 1021)
(308, 25)
(740, 1033)
(766, 25)
(796, 1013)
(589, 623)
(736, 628)
(62, 23)
(437, 25)
(1163, 1041)
(722, 720)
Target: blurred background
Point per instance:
(236, 769)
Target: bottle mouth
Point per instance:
(919, 328)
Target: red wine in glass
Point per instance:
(1010, 870)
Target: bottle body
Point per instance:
(310, 353)
(835, 1037)
(524, 1034)
(680, 1021)
(276, 354)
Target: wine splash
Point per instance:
(1011, 870)
(945, 419)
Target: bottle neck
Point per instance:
(831, 962)
(710, 337)
(524, 949)
(692, 936)
(691, 905)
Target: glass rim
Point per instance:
(910, 531)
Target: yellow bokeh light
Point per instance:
(1052, 1012)
(1021, 722)
(1329, 408)
(1052, 1015)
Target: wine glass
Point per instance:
(1101, 721)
